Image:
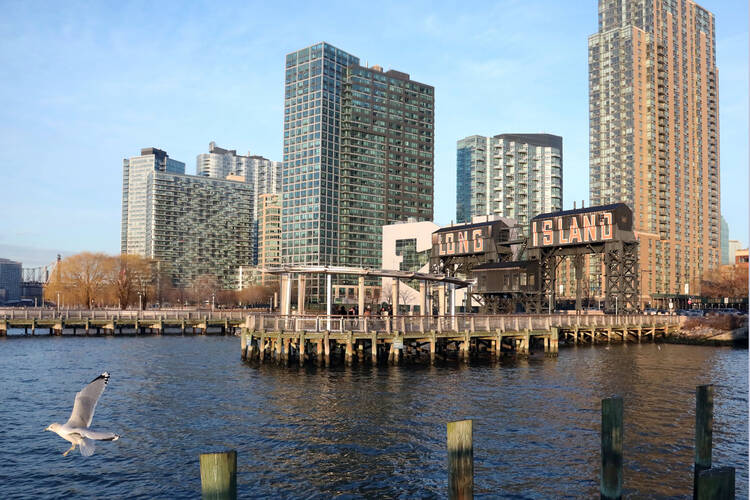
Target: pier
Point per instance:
(115, 322)
(396, 339)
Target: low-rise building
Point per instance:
(10, 280)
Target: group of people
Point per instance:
(385, 310)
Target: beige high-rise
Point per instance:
(654, 134)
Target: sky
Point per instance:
(86, 84)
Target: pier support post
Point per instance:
(286, 348)
(374, 349)
(243, 345)
(349, 350)
(327, 348)
(611, 455)
(704, 422)
(261, 348)
(319, 351)
(433, 348)
(250, 347)
(554, 341)
(460, 460)
(301, 348)
(464, 350)
(716, 484)
(219, 475)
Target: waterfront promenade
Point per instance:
(323, 339)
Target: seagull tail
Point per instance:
(87, 447)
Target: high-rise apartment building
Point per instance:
(510, 175)
(387, 159)
(262, 174)
(193, 225)
(385, 122)
(269, 235)
(654, 134)
(312, 129)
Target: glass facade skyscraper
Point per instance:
(311, 166)
(358, 154)
(387, 159)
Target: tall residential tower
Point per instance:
(510, 175)
(654, 134)
(358, 154)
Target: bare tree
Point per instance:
(726, 281)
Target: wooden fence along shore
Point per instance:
(219, 470)
(325, 340)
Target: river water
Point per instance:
(362, 431)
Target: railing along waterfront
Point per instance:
(118, 314)
(458, 323)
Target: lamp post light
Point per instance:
(58, 301)
(213, 301)
(140, 301)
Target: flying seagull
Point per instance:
(76, 429)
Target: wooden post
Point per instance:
(433, 348)
(374, 348)
(243, 344)
(301, 349)
(327, 348)
(348, 354)
(704, 422)
(219, 475)
(460, 460)
(611, 455)
(716, 484)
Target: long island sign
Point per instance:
(579, 227)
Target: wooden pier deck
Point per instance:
(350, 339)
(114, 322)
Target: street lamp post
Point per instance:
(58, 301)
(140, 301)
(213, 301)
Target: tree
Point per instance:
(204, 288)
(81, 279)
(726, 281)
(134, 275)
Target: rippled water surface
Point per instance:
(359, 432)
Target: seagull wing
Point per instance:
(83, 408)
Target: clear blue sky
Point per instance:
(86, 84)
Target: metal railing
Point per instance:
(458, 323)
(116, 314)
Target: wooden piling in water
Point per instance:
(219, 475)
(610, 483)
(715, 484)
(704, 422)
(460, 460)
